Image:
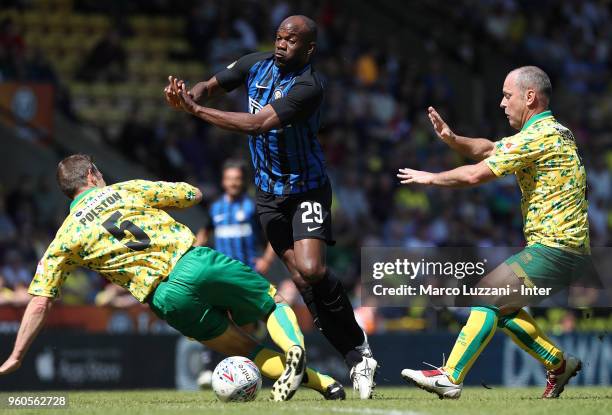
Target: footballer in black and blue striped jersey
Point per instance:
(287, 160)
(293, 191)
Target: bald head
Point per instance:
(526, 92)
(532, 77)
(303, 25)
(295, 42)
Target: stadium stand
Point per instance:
(108, 63)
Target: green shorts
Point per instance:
(545, 266)
(204, 287)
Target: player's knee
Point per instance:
(299, 282)
(311, 271)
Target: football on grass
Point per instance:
(236, 379)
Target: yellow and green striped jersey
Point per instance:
(121, 232)
(552, 178)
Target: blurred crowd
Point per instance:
(374, 122)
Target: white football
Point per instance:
(236, 379)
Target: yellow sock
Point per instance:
(524, 331)
(271, 364)
(283, 327)
(473, 338)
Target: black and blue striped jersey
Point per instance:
(235, 225)
(288, 160)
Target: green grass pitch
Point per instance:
(391, 401)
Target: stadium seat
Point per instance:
(58, 23)
(141, 25)
(34, 21)
(98, 23)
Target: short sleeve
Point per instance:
(162, 194)
(515, 153)
(303, 99)
(236, 73)
(53, 269)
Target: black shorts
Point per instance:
(290, 218)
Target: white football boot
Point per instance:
(363, 371)
(434, 381)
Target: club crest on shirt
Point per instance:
(240, 215)
(278, 94)
(508, 146)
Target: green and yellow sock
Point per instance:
(271, 364)
(283, 327)
(473, 338)
(524, 331)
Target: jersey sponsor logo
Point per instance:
(231, 65)
(261, 86)
(254, 106)
(96, 206)
(241, 230)
(219, 217)
(278, 94)
(313, 229)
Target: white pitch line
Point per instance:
(369, 411)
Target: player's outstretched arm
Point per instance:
(464, 176)
(33, 320)
(242, 122)
(474, 148)
(201, 90)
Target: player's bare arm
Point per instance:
(263, 263)
(201, 90)
(33, 320)
(241, 122)
(464, 176)
(474, 148)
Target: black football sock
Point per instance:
(335, 309)
(324, 322)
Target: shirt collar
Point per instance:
(535, 118)
(81, 196)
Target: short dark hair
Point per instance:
(235, 164)
(72, 173)
(536, 78)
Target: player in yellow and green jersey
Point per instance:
(544, 157)
(123, 232)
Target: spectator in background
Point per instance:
(6, 294)
(8, 231)
(115, 296)
(37, 68)
(201, 27)
(78, 288)
(11, 40)
(106, 62)
(234, 222)
(17, 277)
(352, 198)
(225, 47)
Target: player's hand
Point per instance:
(186, 101)
(171, 96)
(262, 265)
(440, 127)
(409, 176)
(10, 366)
